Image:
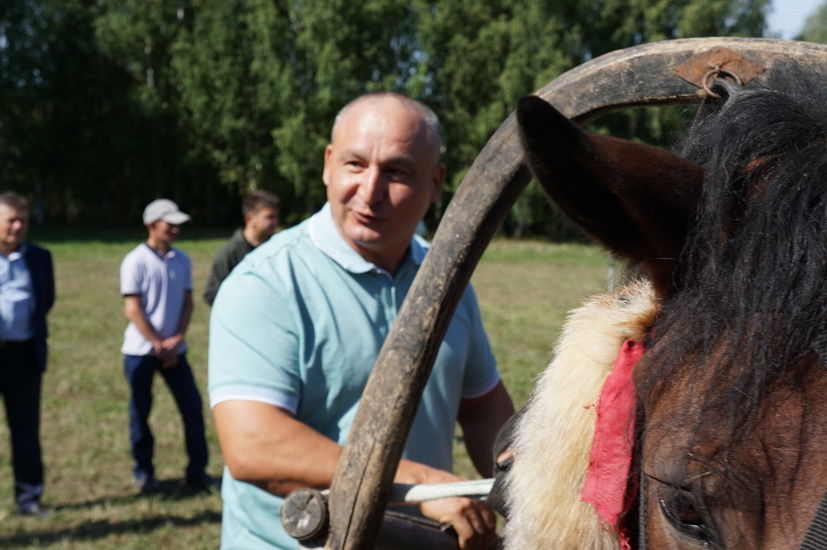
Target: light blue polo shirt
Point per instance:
(299, 324)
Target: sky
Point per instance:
(787, 17)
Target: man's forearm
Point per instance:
(137, 317)
(481, 419)
(266, 446)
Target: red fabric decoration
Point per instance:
(607, 480)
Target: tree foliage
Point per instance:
(815, 26)
(109, 103)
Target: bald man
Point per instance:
(297, 327)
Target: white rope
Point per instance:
(403, 493)
(406, 494)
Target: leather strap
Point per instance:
(816, 537)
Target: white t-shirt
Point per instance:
(162, 282)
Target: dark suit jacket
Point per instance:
(39, 263)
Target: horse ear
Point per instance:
(637, 200)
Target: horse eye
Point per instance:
(681, 511)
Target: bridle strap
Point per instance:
(641, 532)
(816, 537)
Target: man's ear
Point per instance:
(328, 163)
(437, 180)
(638, 201)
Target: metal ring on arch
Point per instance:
(720, 78)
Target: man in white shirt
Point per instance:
(156, 283)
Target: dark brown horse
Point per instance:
(730, 444)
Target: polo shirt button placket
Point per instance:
(393, 300)
(387, 299)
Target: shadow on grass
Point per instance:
(93, 530)
(168, 490)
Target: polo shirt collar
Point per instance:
(169, 254)
(326, 237)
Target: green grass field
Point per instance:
(524, 290)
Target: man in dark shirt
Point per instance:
(261, 216)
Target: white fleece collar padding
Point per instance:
(555, 434)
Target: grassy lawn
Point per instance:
(524, 289)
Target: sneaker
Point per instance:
(203, 483)
(33, 509)
(146, 484)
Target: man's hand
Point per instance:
(172, 343)
(169, 350)
(167, 359)
(474, 522)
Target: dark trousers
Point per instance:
(140, 370)
(20, 381)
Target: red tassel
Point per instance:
(607, 480)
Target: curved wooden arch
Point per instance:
(633, 77)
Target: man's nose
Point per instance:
(372, 188)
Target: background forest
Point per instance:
(106, 104)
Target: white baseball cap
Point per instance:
(166, 210)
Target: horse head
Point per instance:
(731, 423)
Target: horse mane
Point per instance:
(753, 273)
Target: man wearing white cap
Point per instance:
(156, 283)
